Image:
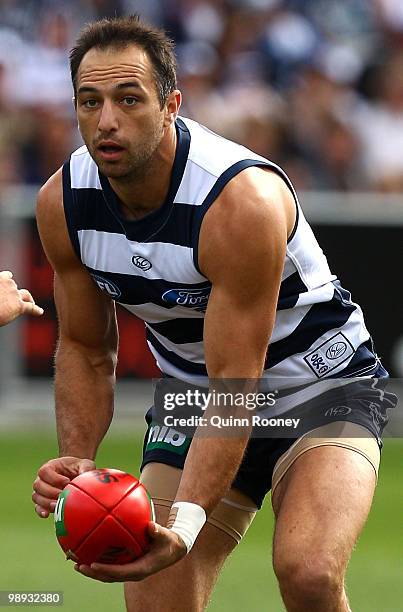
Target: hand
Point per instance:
(52, 477)
(14, 301)
(166, 549)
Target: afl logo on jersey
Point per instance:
(336, 350)
(190, 298)
(107, 286)
(141, 262)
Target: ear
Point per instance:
(74, 101)
(172, 107)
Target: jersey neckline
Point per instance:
(145, 228)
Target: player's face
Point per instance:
(118, 110)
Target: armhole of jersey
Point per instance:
(219, 186)
(70, 210)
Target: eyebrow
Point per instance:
(126, 85)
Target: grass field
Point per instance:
(32, 560)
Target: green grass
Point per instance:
(32, 560)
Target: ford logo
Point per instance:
(190, 298)
(336, 350)
(141, 262)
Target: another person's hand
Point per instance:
(52, 477)
(13, 301)
(166, 548)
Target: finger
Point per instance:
(6, 274)
(44, 502)
(137, 570)
(120, 572)
(154, 530)
(45, 489)
(42, 512)
(86, 570)
(158, 533)
(50, 475)
(31, 308)
(26, 296)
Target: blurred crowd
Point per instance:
(315, 85)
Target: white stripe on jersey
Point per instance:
(108, 252)
(191, 351)
(289, 268)
(170, 370)
(307, 256)
(213, 153)
(315, 296)
(195, 186)
(83, 170)
(286, 324)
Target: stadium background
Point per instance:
(316, 86)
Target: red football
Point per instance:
(102, 516)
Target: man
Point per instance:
(13, 301)
(206, 242)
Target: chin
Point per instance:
(111, 170)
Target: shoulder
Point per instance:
(53, 187)
(213, 153)
(52, 222)
(254, 215)
(50, 199)
(256, 193)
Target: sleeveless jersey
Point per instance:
(150, 266)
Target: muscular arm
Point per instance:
(87, 345)
(242, 250)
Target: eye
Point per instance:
(90, 103)
(129, 101)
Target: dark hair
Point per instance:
(119, 32)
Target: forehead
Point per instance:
(105, 66)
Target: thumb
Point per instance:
(153, 530)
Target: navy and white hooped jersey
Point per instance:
(150, 266)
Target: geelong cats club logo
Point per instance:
(141, 262)
(336, 350)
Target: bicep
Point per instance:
(85, 315)
(239, 321)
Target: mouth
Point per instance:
(110, 151)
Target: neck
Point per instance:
(146, 190)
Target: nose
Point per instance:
(108, 118)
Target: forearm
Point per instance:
(84, 389)
(213, 460)
(210, 468)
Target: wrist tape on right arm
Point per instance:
(186, 519)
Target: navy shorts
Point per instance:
(358, 403)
